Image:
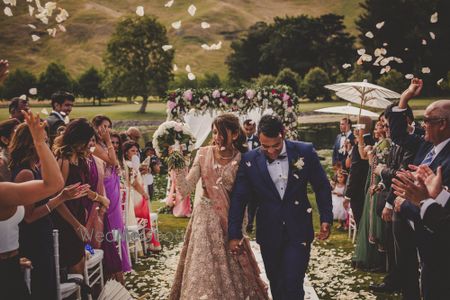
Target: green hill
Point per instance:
(91, 23)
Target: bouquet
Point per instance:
(173, 142)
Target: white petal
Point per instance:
(8, 11)
(382, 71)
(23, 97)
(135, 102)
(366, 57)
(426, 70)
(176, 25)
(406, 49)
(167, 47)
(309, 210)
(398, 60)
(44, 111)
(206, 47)
(175, 68)
(387, 68)
(192, 9)
(424, 42)
(369, 34)
(188, 68)
(384, 61)
(30, 10)
(33, 91)
(31, 26)
(140, 11)
(346, 66)
(440, 81)
(434, 18)
(432, 35)
(409, 76)
(385, 44)
(361, 51)
(35, 37)
(62, 28)
(379, 25)
(191, 76)
(205, 25)
(249, 164)
(169, 4)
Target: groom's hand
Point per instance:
(234, 246)
(324, 231)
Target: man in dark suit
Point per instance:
(252, 143)
(62, 103)
(16, 106)
(355, 192)
(277, 175)
(339, 152)
(433, 150)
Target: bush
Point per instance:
(359, 74)
(393, 80)
(210, 81)
(289, 78)
(313, 84)
(264, 80)
(18, 83)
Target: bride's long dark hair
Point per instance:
(231, 122)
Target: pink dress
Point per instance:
(207, 269)
(181, 206)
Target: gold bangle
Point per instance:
(96, 196)
(48, 207)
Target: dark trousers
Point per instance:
(285, 267)
(12, 283)
(251, 212)
(407, 265)
(357, 205)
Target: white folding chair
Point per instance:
(352, 228)
(66, 289)
(93, 270)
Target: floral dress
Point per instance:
(207, 269)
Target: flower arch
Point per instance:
(280, 99)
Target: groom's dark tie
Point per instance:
(279, 157)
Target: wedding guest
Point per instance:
(105, 150)
(6, 130)
(355, 192)
(433, 150)
(16, 106)
(72, 150)
(339, 151)
(12, 198)
(36, 231)
(62, 104)
(339, 211)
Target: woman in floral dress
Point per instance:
(207, 270)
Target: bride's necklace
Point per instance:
(225, 157)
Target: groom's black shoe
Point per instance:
(383, 288)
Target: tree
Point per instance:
(210, 81)
(135, 58)
(407, 23)
(299, 43)
(393, 80)
(18, 83)
(53, 79)
(89, 85)
(264, 80)
(313, 84)
(289, 78)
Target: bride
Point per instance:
(207, 270)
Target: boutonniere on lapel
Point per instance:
(297, 166)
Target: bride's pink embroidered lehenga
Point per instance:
(207, 270)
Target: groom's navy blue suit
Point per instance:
(284, 228)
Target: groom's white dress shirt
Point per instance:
(279, 170)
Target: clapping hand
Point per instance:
(37, 128)
(408, 186)
(433, 182)
(324, 231)
(74, 191)
(413, 90)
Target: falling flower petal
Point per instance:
(424, 42)
(188, 68)
(192, 9)
(205, 46)
(140, 11)
(35, 37)
(383, 70)
(361, 51)
(62, 28)
(346, 66)
(31, 26)
(387, 68)
(432, 35)
(44, 111)
(191, 76)
(409, 76)
(440, 81)
(309, 210)
(167, 47)
(398, 60)
(8, 11)
(426, 70)
(249, 164)
(406, 49)
(169, 3)
(369, 34)
(30, 10)
(366, 57)
(205, 25)
(32, 91)
(434, 18)
(385, 44)
(135, 102)
(51, 32)
(175, 68)
(176, 25)
(379, 25)
(23, 97)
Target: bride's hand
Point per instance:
(235, 246)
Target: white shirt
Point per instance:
(250, 142)
(438, 148)
(279, 170)
(58, 114)
(343, 138)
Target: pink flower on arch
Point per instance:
(187, 95)
(171, 105)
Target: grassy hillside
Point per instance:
(91, 23)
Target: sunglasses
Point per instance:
(432, 120)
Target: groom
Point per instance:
(276, 175)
